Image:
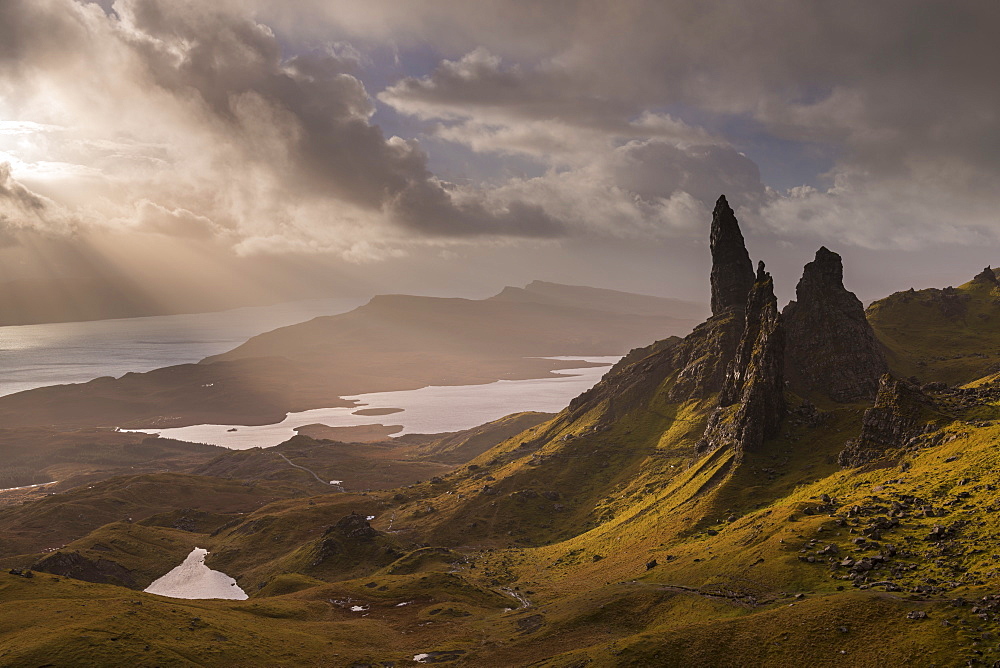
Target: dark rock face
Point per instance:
(75, 565)
(987, 277)
(354, 527)
(704, 355)
(700, 359)
(732, 271)
(898, 415)
(752, 400)
(345, 537)
(832, 350)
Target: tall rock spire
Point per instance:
(732, 271)
(832, 350)
(752, 400)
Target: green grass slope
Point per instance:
(603, 536)
(950, 335)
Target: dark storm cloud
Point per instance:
(899, 91)
(303, 121)
(334, 149)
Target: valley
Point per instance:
(807, 484)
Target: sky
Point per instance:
(306, 147)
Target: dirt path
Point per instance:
(318, 479)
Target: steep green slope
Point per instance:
(950, 335)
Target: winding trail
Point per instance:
(318, 479)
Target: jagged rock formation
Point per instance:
(986, 277)
(832, 350)
(703, 356)
(698, 363)
(732, 270)
(901, 411)
(752, 401)
(700, 359)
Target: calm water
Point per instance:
(429, 410)
(75, 352)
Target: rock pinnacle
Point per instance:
(732, 271)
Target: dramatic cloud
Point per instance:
(193, 108)
(255, 129)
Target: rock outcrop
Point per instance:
(832, 350)
(901, 411)
(77, 566)
(752, 400)
(702, 358)
(732, 271)
(986, 277)
(699, 360)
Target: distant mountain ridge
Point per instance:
(394, 342)
(540, 319)
(603, 299)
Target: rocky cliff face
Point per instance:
(700, 359)
(899, 414)
(732, 271)
(832, 350)
(752, 401)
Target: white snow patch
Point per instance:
(41, 484)
(336, 482)
(370, 518)
(193, 579)
(358, 608)
(400, 605)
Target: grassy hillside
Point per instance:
(744, 572)
(608, 535)
(950, 335)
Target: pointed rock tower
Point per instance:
(832, 350)
(752, 401)
(732, 271)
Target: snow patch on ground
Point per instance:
(41, 484)
(193, 579)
